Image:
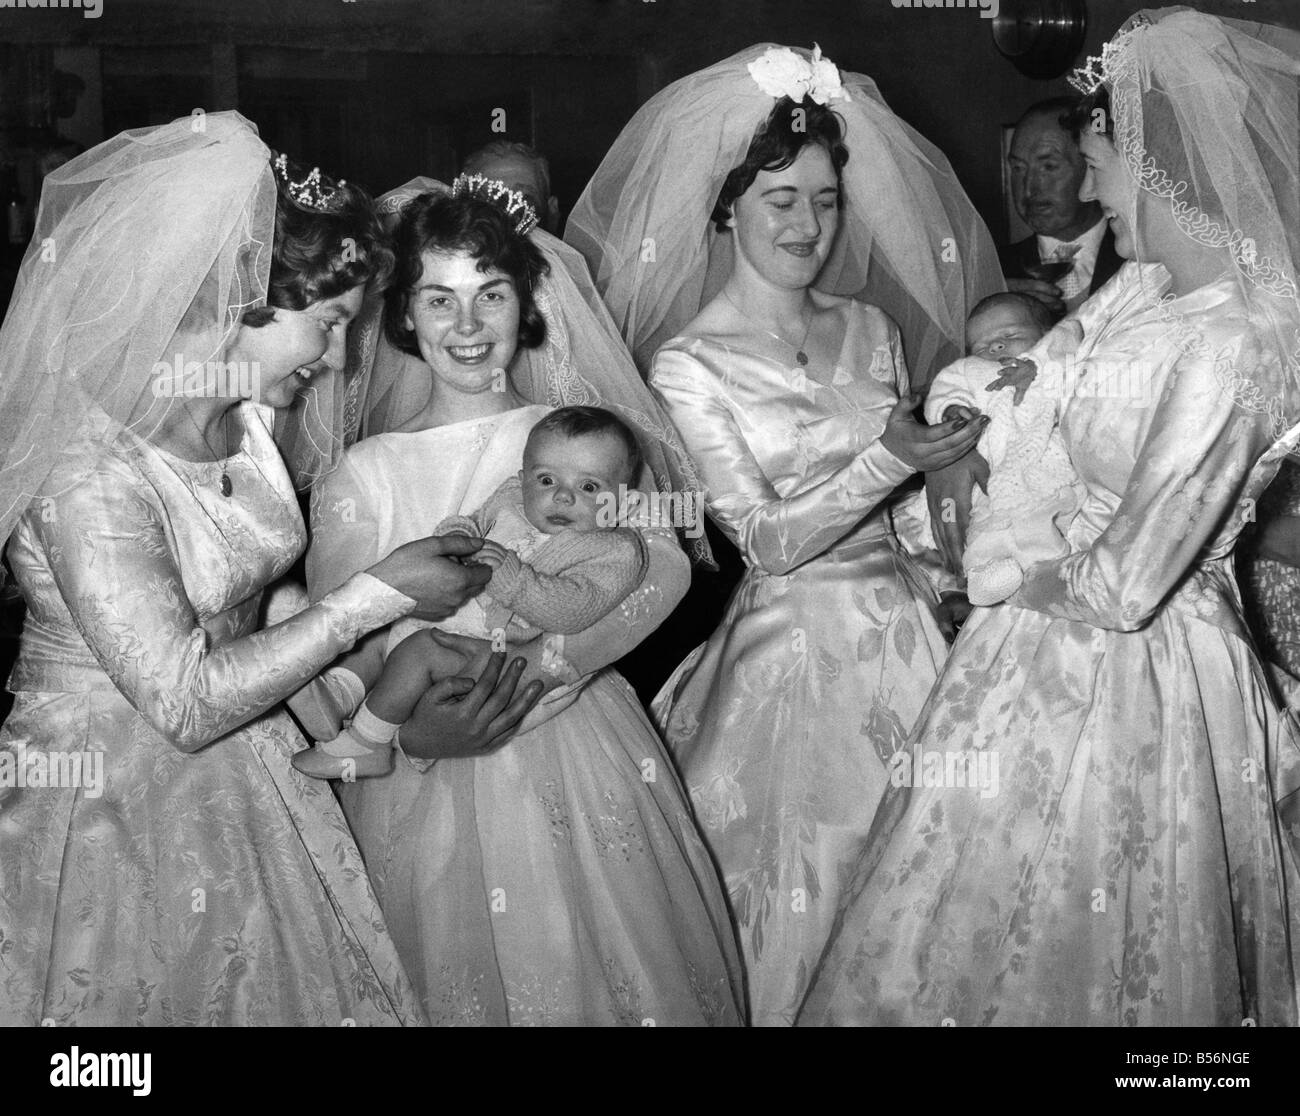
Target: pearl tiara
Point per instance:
(1103, 68)
(309, 193)
(511, 202)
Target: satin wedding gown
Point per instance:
(785, 721)
(1131, 869)
(559, 880)
(197, 884)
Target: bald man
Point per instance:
(1046, 173)
(522, 168)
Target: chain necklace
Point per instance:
(800, 354)
(227, 486)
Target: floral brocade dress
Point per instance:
(1133, 864)
(188, 875)
(785, 721)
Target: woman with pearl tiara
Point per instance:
(560, 880)
(160, 860)
(1137, 865)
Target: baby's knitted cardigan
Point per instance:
(562, 583)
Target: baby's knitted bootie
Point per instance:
(994, 581)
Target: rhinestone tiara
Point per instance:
(1099, 69)
(310, 192)
(511, 202)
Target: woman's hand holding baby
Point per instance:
(426, 571)
(926, 448)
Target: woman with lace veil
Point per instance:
(160, 861)
(559, 880)
(1113, 849)
(773, 241)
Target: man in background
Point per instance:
(1046, 173)
(522, 168)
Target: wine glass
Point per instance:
(1049, 271)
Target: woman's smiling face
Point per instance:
(466, 321)
(785, 223)
(297, 346)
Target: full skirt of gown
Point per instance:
(557, 882)
(1127, 860)
(786, 722)
(190, 878)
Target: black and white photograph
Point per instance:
(653, 514)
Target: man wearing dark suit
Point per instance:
(1046, 173)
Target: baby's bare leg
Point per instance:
(414, 665)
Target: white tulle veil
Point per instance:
(1206, 116)
(583, 361)
(909, 240)
(150, 245)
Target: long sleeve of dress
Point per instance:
(775, 533)
(1189, 475)
(110, 557)
(577, 578)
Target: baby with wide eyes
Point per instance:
(569, 476)
(1033, 491)
(562, 558)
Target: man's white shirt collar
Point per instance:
(1089, 243)
(1076, 285)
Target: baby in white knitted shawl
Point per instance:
(1033, 490)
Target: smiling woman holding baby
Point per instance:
(560, 879)
(1135, 868)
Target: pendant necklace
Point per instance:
(227, 486)
(800, 354)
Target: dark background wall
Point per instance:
(379, 90)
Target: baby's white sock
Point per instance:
(366, 733)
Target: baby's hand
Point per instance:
(492, 554)
(955, 411)
(1017, 373)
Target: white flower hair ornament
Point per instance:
(780, 72)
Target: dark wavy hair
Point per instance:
(440, 223)
(321, 254)
(788, 129)
(1083, 117)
